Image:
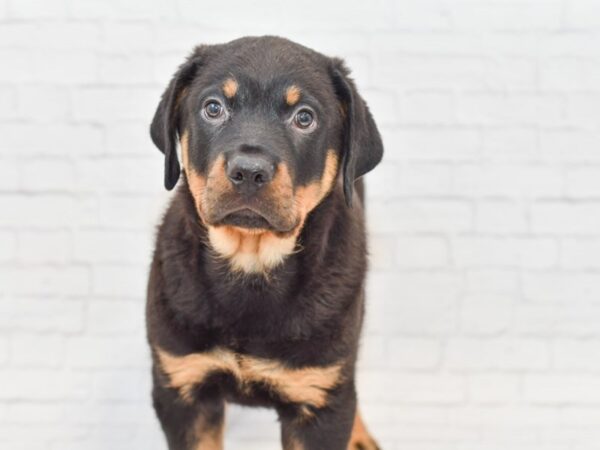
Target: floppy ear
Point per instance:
(363, 148)
(164, 129)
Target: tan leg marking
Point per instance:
(308, 385)
(292, 95)
(360, 438)
(230, 87)
(205, 436)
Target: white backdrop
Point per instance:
(483, 327)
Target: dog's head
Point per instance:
(265, 127)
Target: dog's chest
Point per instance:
(305, 386)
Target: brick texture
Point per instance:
(483, 316)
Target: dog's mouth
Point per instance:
(253, 218)
(246, 218)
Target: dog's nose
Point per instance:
(249, 172)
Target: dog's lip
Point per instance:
(246, 218)
(252, 218)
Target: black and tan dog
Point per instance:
(256, 291)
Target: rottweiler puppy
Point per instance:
(256, 289)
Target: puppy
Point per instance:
(256, 289)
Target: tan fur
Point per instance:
(217, 180)
(360, 438)
(206, 436)
(308, 197)
(307, 385)
(230, 87)
(256, 250)
(292, 95)
(196, 182)
(185, 148)
(250, 253)
(293, 444)
(273, 249)
(186, 371)
(281, 191)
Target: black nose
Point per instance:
(249, 172)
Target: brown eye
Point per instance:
(304, 118)
(213, 109)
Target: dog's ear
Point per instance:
(165, 127)
(362, 144)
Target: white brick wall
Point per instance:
(483, 327)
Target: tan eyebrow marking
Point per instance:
(292, 95)
(230, 87)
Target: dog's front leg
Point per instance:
(326, 428)
(193, 423)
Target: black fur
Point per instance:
(165, 125)
(306, 311)
(363, 148)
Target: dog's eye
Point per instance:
(304, 118)
(213, 109)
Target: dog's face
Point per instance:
(265, 126)
(262, 124)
